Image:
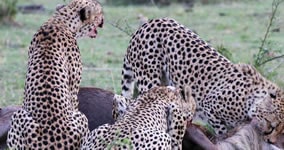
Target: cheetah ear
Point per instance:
(120, 106)
(188, 98)
(59, 6)
(186, 92)
(85, 13)
(89, 13)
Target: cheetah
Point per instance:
(226, 94)
(49, 117)
(157, 119)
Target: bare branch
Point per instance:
(116, 25)
(260, 54)
(271, 59)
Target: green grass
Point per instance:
(240, 30)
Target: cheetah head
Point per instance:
(83, 17)
(169, 95)
(120, 106)
(269, 111)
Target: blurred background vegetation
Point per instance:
(8, 10)
(245, 31)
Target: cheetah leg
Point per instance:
(219, 127)
(96, 139)
(149, 79)
(127, 81)
(214, 114)
(177, 121)
(80, 124)
(22, 127)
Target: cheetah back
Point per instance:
(49, 117)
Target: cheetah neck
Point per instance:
(70, 23)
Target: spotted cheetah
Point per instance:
(49, 117)
(226, 93)
(157, 119)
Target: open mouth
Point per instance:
(94, 32)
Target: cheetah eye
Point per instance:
(269, 131)
(272, 95)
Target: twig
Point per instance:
(128, 27)
(101, 69)
(274, 9)
(272, 69)
(271, 59)
(260, 53)
(116, 25)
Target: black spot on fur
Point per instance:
(82, 14)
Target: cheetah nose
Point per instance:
(171, 88)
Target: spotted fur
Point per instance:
(49, 117)
(155, 120)
(226, 93)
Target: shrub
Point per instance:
(263, 55)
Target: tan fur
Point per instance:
(156, 119)
(226, 94)
(49, 117)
